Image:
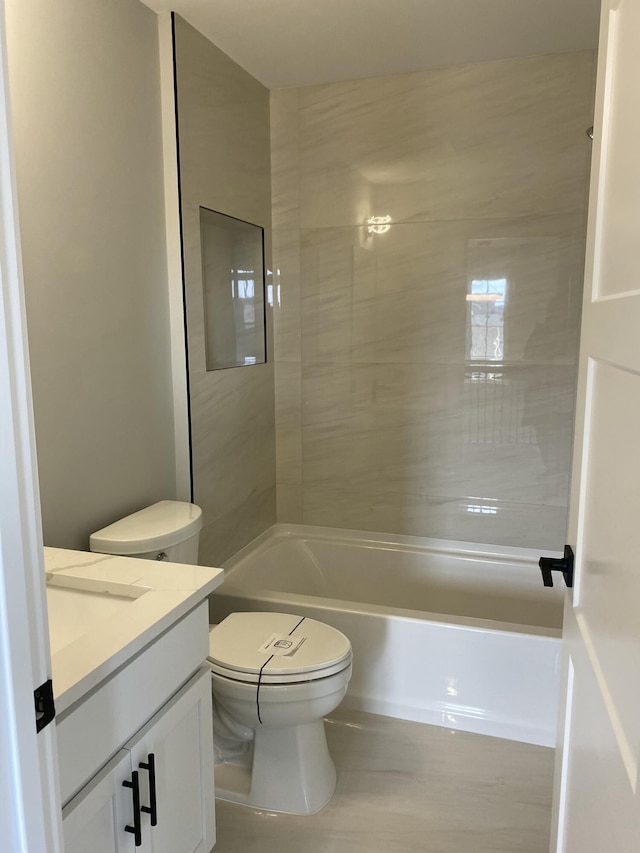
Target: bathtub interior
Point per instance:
(405, 573)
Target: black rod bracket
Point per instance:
(558, 564)
(44, 705)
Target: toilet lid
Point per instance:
(238, 648)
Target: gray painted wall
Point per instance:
(223, 121)
(86, 109)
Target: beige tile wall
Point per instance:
(384, 421)
(223, 122)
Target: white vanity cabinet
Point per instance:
(179, 740)
(125, 766)
(172, 756)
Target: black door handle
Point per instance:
(559, 564)
(136, 829)
(152, 809)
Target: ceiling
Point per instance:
(303, 42)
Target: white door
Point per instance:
(597, 796)
(29, 801)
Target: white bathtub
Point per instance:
(458, 635)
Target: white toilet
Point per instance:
(274, 677)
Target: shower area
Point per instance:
(428, 250)
(422, 297)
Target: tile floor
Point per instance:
(410, 787)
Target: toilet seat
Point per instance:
(234, 649)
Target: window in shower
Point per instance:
(233, 287)
(486, 299)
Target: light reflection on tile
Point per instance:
(444, 430)
(467, 519)
(401, 296)
(405, 787)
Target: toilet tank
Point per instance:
(168, 530)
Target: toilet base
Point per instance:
(290, 771)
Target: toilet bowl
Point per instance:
(269, 703)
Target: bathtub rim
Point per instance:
(455, 622)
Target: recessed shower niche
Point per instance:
(233, 290)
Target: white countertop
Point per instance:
(142, 599)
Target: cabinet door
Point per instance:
(94, 819)
(179, 742)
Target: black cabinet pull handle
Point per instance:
(558, 564)
(136, 829)
(152, 809)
